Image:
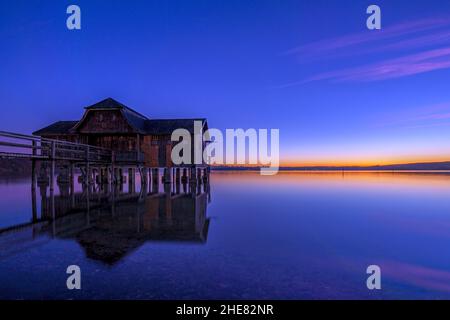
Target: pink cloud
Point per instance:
(325, 47)
(401, 37)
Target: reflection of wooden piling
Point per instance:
(42, 174)
(115, 175)
(199, 175)
(131, 180)
(155, 180)
(199, 186)
(108, 178)
(167, 189)
(52, 203)
(145, 176)
(102, 173)
(72, 175)
(44, 202)
(167, 175)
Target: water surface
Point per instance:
(296, 235)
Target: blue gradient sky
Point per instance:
(338, 92)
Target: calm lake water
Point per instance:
(290, 236)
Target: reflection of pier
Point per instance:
(110, 220)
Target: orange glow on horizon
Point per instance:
(360, 161)
(364, 162)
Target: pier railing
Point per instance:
(15, 145)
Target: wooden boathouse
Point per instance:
(134, 141)
(132, 136)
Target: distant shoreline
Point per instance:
(423, 166)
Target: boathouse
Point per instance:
(132, 136)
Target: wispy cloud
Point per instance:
(424, 277)
(322, 48)
(437, 115)
(394, 68)
(404, 37)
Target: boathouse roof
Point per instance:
(140, 123)
(59, 127)
(167, 126)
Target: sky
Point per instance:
(338, 92)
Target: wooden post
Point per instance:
(149, 179)
(72, 184)
(121, 179)
(52, 166)
(199, 175)
(88, 169)
(33, 194)
(52, 184)
(144, 176)
(33, 166)
(138, 147)
(113, 168)
(33, 182)
(199, 184)
(177, 180)
(193, 175)
(184, 180)
(88, 202)
(53, 212)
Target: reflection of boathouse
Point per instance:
(108, 235)
(109, 229)
(109, 222)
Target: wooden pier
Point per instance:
(96, 164)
